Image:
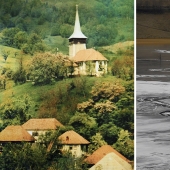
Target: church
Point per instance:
(88, 61)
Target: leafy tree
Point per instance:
(15, 110)
(125, 144)
(20, 38)
(23, 156)
(109, 132)
(8, 35)
(96, 142)
(20, 75)
(124, 67)
(125, 119)
(5, 55)
(84, 124)
(45, 68)
(3, 81)
(107, 90)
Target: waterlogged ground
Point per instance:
(153, 129)
(153, 98)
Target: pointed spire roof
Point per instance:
(77, 29)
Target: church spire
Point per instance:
(77, 29)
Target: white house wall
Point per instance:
(76, 150)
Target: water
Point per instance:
(153, 63)
(153, 88)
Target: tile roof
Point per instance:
(71, 137)
(88, 55)
(111, 161)
(15, 134)
(42, 124)
(101, 152)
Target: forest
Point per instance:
(34, 82)
(103, 22)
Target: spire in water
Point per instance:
(77, 29)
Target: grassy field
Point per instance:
(12, 60)
(55, 42)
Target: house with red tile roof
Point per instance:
(71, 141)
(15, 134)
(37, 127)
(102, 157)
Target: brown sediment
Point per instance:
(152, 41)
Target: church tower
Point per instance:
(77, 41)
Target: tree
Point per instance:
(19, 76)
(20, 38)
(3, 81)
(125, 144)
(124, 67)
(15, 110)
(109, 132)
(84, 124)
(5, 54)
(8, 35)
(107, 90)
(23, 156)
(96, 142)
(46, 68)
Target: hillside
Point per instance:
(103, 22)
(39, 80)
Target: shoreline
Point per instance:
(152, 41)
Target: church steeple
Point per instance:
(77, 29)
(77, 41)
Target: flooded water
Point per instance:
(153, 61)
(153, 97)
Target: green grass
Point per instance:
(12, 60)
(55, 42)
(36, 92)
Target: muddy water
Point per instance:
(153, 87)
(153, 143)
(153, 60)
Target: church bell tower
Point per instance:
(77, 41)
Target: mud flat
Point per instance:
(153, 129)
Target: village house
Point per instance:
(37, 127)
(74, 143)
(89, 61)
(108, 158)
(15, 134)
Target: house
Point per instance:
(71, 141)
(106, 157)
(15, 134)
(89, 61)
(37, 127)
